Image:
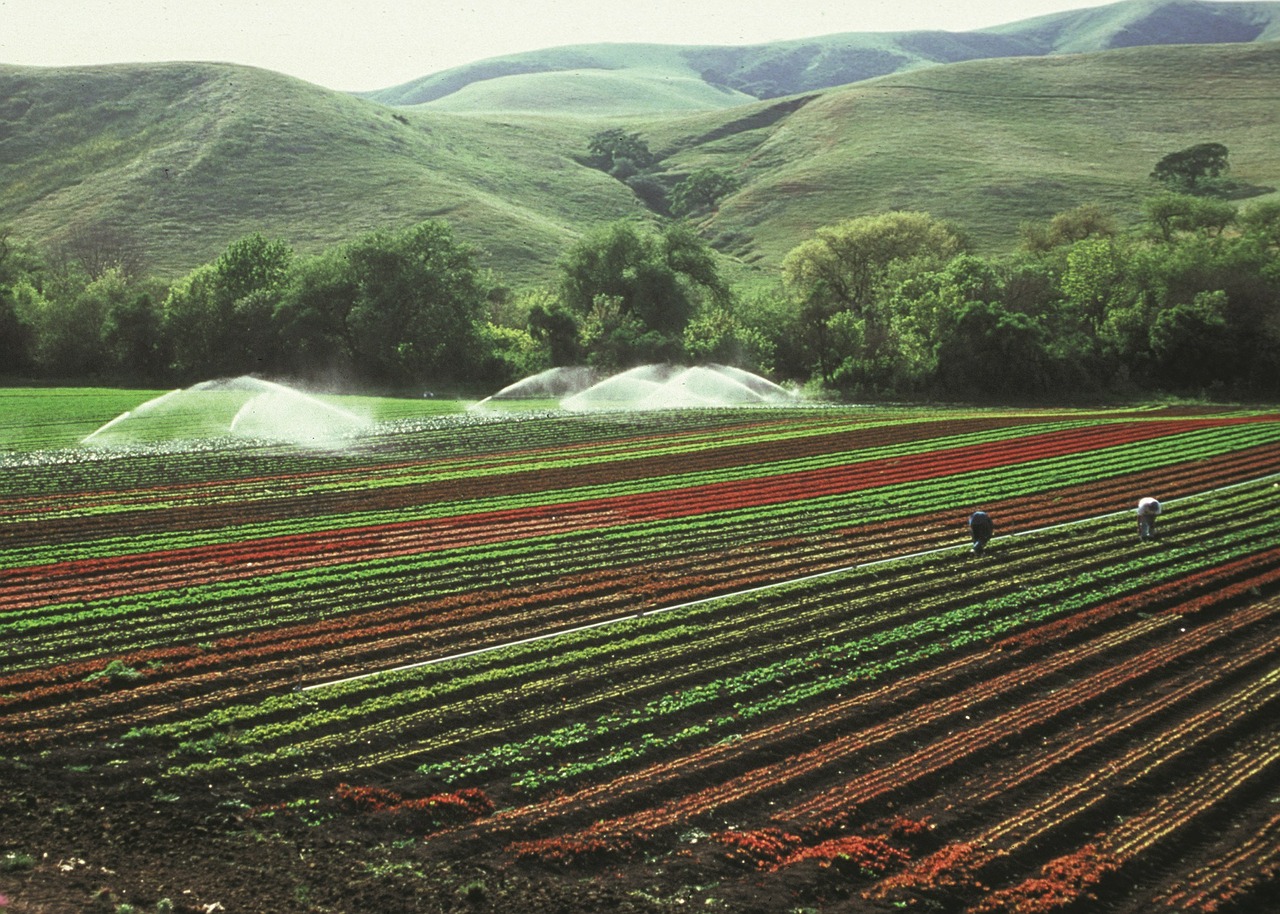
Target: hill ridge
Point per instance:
(184, 159)
(789, 67)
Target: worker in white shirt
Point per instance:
(1148, 511)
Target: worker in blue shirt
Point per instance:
(980, 528)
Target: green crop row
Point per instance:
(121, 545)
(1069, 590)
(316, 593)
(1060, 471)
(943, 630)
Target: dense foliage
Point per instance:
(894, 304)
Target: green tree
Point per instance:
(131, 338)
(770, 315)
(419, 298)
(194, 325)
(311, 318)
(619, 153)
(1262, 220)
(1086, 221)
(701, 191)
(1245, 271)
(718, 335)
(994, 352)
(1171, 214)
(66, 327)
(842, 271)
(32, 316)
(252, 264)
(613, 337)
(555, 328)
(923, 309)
(1094, 280)
(637, 290)
(1192, 343)
(219, 319)
(15, 335)
(510, 353)
(1186, 169)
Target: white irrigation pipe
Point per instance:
(772, 585)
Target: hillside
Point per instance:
(187, 157)
(789, 67)
(990, 144)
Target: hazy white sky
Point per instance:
(374, 44)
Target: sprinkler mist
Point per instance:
(674, 387)
(650, 387)
(243, 407)
(647, 387)
(552, 384)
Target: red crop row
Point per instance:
(251, 559)
(345, 643)
(827, 809)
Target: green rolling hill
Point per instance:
(790, 67)
(187, 157)
(184, 158)
(989, 144)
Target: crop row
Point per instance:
(406, 541)
(840, 472)
(394, 457)
(730, 458)
(867, 644)
(389, 580)
(834, 807)
(1070, 715)
(494, 614)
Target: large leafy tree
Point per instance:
(619, 153)
(701, 191)
(993, 351)
(418, 299)
(15, 334)
(219, 318)
(1192, 343)
(838, 279)
(1187, 169)
(636, 290)
(131, 336)
(1172, 214)
(311, 317)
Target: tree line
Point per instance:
(886, 305)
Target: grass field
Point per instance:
(733, 659)
(42, 418)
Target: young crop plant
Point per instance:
(747, 647)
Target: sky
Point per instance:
(372, 44)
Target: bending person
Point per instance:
(1148, 511)
(980, 528)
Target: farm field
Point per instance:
(723, 660)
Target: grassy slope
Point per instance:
(596, 93)
(189, 157)
(804, 65)
(601, 60)
(989, 144)
(1147, 22)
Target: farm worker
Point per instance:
(981, 528)
(1148, 511)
